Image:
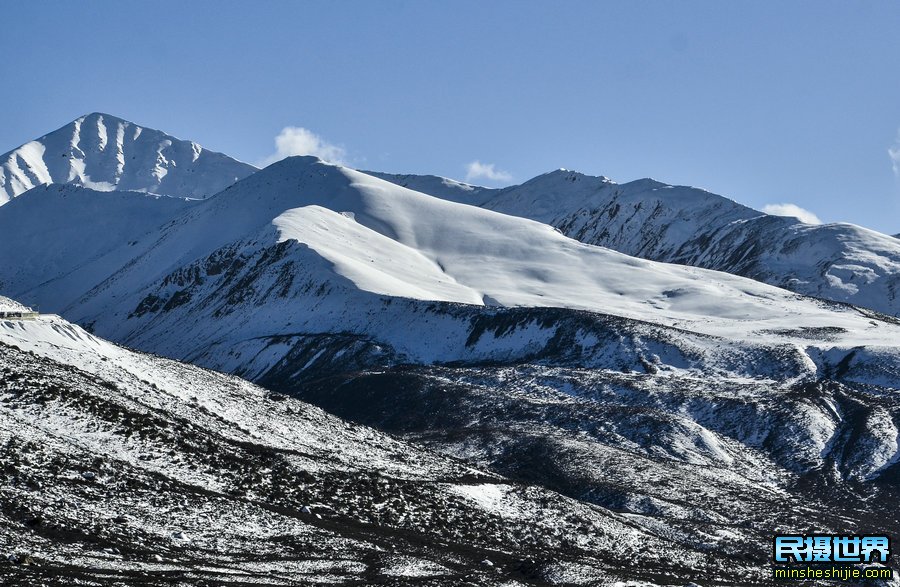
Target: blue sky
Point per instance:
(765, 102)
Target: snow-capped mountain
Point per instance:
(676, 224)
(308, 224)
(106, 153)
(305, 247)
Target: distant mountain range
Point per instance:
(644, 218)
(668, 407)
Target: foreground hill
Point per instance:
(675, 224)
(123, 468)
(106, 153)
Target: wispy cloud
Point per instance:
(801, 214)
(478, 170)
(296, 140)
(894, 154)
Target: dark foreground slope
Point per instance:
(134, 470)
(715, 464)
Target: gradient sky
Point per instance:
(764, 102)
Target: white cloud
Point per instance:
(794, 210)
(894, 154)
(296, 140)
(479, 170)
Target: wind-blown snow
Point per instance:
(10, 305)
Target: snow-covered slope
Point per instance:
(346, 229)
(646, 217)
(304, 248)
(54, 231)
(106, 153)
(676, 224)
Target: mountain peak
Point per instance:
(570, 175)
(107, 153)
(104, 115)
(302, 161)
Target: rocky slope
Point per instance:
(123, 468)
(568, 463)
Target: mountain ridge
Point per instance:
(690, 226)
(404, 241)
(58, 244)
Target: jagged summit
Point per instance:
(555, 193)
(566, 174)
(107, 153)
